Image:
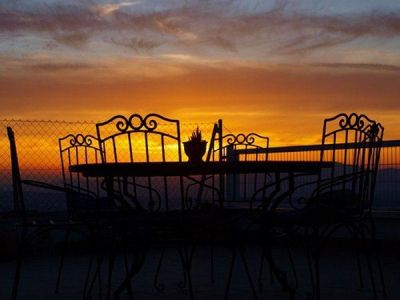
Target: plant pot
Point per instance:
(195, 150)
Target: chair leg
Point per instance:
(86, 284)
(358, 261)
(212, 279)
(369, 263)
(279, 274)
(126, 263)
(100, 281)
(246, 267)
(381, 275)
(159, 286)
(232, 265)
(377, 256)
(61, 265)
(111, 262)
(20, 255)
(310, 268)
(186, 256)
(97, 275)
(138, 261)
(292, 265)
(371, 274)
(261, 269)
(316, 257)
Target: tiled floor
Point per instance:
(339, 276)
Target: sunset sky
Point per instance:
(274, 67)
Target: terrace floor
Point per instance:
(338, 265)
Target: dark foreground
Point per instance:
(339, 275)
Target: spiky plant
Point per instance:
(196, 136)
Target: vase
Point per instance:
(195, 150)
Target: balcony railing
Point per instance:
(38, 142)
(387, 195)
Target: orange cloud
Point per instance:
(275, 100)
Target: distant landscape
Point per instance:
(386, 196)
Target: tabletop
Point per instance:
(201, 168)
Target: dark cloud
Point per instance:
(200, 23)
(138, 45)
(72, 39)
(56, 67)
(49, 18)
(222, 43)
(305, 43)
(366, 66)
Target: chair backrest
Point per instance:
(150, 138)
(83, 193)
(353, 143)
(238, 189)
(18, 196)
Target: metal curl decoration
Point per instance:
(360, 123)
(132, 119)
(343, 121)
(89, 140)
(72, 140)
(81, 140)
(150, 123)
(230, 139)
(123, 124)
(352, 121)
(135, 122)
(242, 139)
(250, 139)
(355, 121)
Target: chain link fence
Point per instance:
(39, 156)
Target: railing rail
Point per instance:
(304, 148)
(387, 195)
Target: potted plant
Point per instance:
(195, 147)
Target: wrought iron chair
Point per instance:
(87, 193)
(232, 194)
(232, 191)
(86, 197)
(33, 223)
(240, 188)
(145, 201)
(341, 196)
(81, 201)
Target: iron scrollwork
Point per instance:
(242, 139)
(357, 122)
(79, 140)
(136, 122)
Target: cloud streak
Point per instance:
(198, 23)
(138, 45)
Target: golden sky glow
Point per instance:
(276, 68)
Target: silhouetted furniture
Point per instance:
(152, 138)
(237, 189)
(172, 169)
(232, 192)
(169, 169)
(34, 223)
(85, 197)
(141, 139)
(341, 196)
